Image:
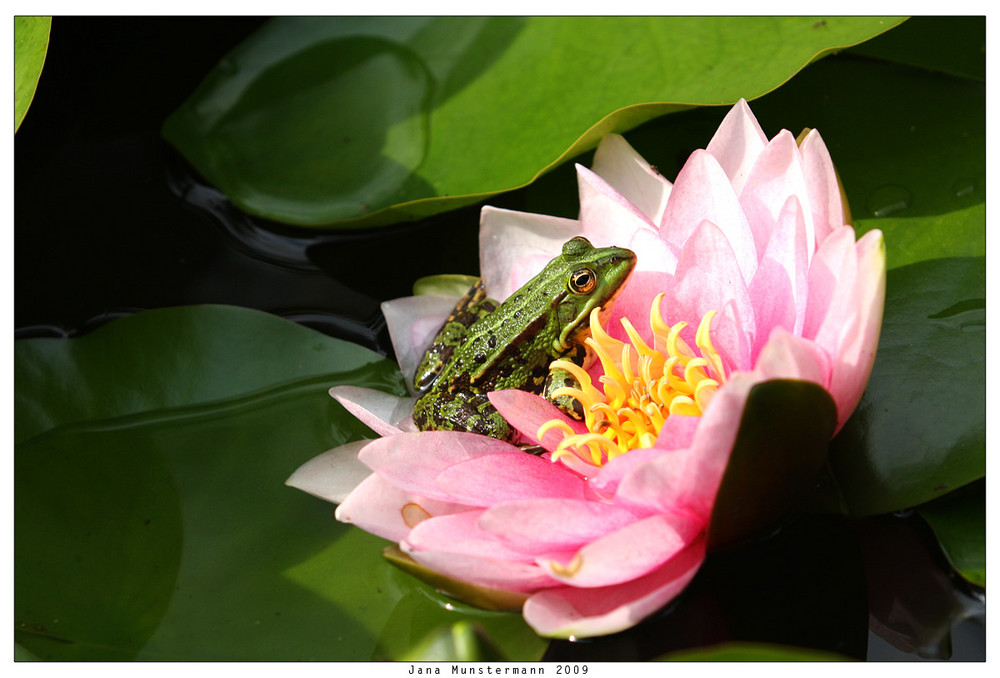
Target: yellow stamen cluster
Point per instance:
(641, 386)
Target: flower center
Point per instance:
(641, 387)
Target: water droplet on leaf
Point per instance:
(964, 187)
(968, 315)
(889, 199)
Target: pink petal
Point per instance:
(413, 461)
(382, 412)
(573, 612)
(383, 509)
(527, 412)
(821, 185)
(606, 216)
(577, 465)
(605, 483)
(495, 478)
(777, 175)
(713, 442)
(544, 525)
(677, 432)
(629, 174)
(787, 356)
(707, 279)
(460, 533)
(668, 484)
(634, 303)
(842, 301)
(501, 574)
(778, 290)
(702, 193)
(731, 338)
(824, 272)
(332, 475)
(855, 355)
(413, 323)
(737, 143)
(515, 246)
(628, 553)
(773, 301)
(456, 546)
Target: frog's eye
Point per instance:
(582, 281)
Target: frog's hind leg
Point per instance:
(462, 411)
(470, 308)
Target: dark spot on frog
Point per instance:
(480, 357)
(492, 342)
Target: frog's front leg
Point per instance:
(460, 410)
(559, 378)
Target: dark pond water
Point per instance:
(110, 220)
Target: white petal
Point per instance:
(382, 412)
(821, 182)
(515, 246)
(737, 143)
(702, 192)
(629, 174)
(413, 323)
(606, 216)
(332, 475)
(777, 175)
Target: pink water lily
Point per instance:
(747, 271)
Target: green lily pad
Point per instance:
(959, 522)
(780, 449)
(151, 516)
(220, 345)
(421, 614)
(31, 44)
(448, 284)
(920, 428)
(752, 652)
(369, 120)
(462, 642)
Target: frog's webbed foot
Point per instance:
(462, 411)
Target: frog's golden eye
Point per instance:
(582, 281)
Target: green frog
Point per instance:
(486, 346)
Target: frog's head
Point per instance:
(594, 276)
